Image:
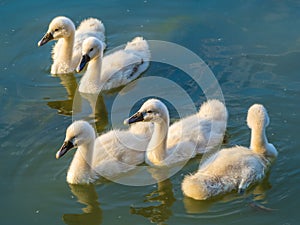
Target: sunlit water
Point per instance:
(252, 47)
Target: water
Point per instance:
(253, 49)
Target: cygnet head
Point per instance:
(59, 27)
(91, 48)
(153, 110)
(257, 117)
(78, 133)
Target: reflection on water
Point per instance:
(75, 106)
(65, 107)
(161, 199)
(96, 110)
(92, 213)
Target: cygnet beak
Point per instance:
(47, 37)
(84, 60)
(137, 117)
(67, 145)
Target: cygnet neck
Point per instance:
(80, 170)
(259, 140)
(94, 70)
(91, 80)
(156, 150)
(66, 51)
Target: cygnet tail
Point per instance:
(91, 25)
(140, 45)
(213, 109)
(195, 188)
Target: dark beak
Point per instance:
(137, 117)
(47, 37)
(84, 60)
(67, 145)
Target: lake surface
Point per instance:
(251, 47)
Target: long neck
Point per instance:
(80, 168)
(94, 69)
(66, 51)
(156, 150)
(259, 140)
(91, 81)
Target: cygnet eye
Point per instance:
(149, 111)
(91, 49)
(56, 30)
(74, 140)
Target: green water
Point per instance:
(252, 48)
